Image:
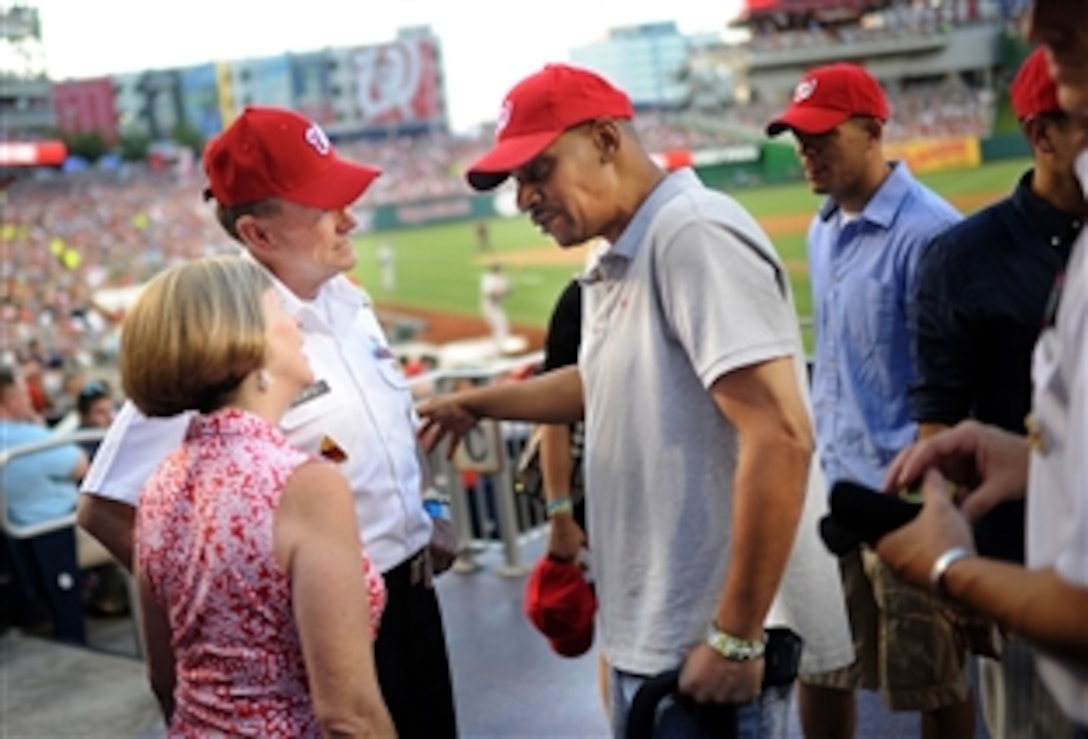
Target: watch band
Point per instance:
(733, 647)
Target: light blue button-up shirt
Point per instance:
(863, 274)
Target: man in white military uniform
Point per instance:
(284, 193)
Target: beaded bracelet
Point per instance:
(556, 506)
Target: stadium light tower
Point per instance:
(23, 52)
(26, 105)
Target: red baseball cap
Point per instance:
(828, 96)
(537, 111)
(561, 604)
(1033, 91)
(272, 152)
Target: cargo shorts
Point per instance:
(907, 649)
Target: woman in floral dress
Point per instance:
(258, 601)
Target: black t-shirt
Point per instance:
(564, 329)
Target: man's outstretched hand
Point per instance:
(444, 416)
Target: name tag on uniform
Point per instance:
(316, 390)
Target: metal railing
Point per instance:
(27, 531)
(447, 476)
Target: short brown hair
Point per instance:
(228, 215)
(193, 335)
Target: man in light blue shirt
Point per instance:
(864, 246)
(42, 485)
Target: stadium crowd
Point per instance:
(66, 236)
(897, 21)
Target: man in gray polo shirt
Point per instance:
(698, 431)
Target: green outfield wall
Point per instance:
(730, 168)
(733, 168)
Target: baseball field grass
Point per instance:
(438, 268)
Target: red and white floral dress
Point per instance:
(204, 541)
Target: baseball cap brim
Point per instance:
(341, 183)
(807, 120)
(492, 169)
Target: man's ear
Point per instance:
(607, 137)
(252, 233)
(1037, 133)
(875, 128)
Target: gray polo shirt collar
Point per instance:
(627, 246)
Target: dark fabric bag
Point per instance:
(783, 659)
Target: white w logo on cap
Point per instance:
(317, 138)
(504, 116)
(804, 90)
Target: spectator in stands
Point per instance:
(33, 378)
(863, 246)
(96, 409)
(65, 400)
(1047, 599)
(697, 429)
(982, 292)
(289, 602)
(289, 206)
(39, 486)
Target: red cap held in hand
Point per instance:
(561, 604)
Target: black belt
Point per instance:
(409, 573)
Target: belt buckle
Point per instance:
(415, 569)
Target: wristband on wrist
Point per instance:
(940, 567)
(733, 647)
(556, 506)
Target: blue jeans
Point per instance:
(766, 718)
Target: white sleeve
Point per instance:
(1072, 562)
(134, 446)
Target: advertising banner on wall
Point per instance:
(311, 87)
(200, 99)
(161, 105)
(399, 84)
(935, 155)
(86, 106)
(32, 153)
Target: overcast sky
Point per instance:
(488, 45)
